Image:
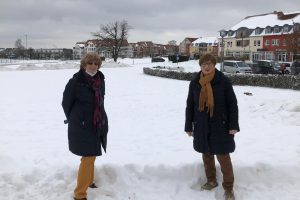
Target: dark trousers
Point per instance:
(226, 168)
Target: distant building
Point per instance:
(184, 46)
(53, 53)
(262, 36)
(101, 47)
(78, 50)
(204, 45)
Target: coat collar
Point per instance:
(216, 79)
(80, 75)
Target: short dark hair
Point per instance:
(90, 57)
(207, 57)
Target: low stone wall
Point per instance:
(274, 81)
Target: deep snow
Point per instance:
(149, 156)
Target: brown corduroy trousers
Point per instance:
(85, 176)
(226, 168)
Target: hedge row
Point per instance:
(274, 81)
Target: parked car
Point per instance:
(286, 66)
(295, 68)
(157, 59)
(232, 66)
(265, 67)
(178, 58)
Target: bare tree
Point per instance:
(19, 48)
(293, 41)
(113, 36)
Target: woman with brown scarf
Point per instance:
(212, 120)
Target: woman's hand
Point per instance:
(189, 133)
(232, 132)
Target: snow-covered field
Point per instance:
(149, 156)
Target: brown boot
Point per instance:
(229, 195)
(209, 185)
(80, 199)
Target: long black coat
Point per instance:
(211, 134)
(79, 105)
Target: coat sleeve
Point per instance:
(189, 111)
(233, 111)
(68, 97)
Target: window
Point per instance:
(257, 31)
(230, 33)
(229, 54)
(256, 43)
(269, 55)
(267, 42)
(276, 29)
(286, 28)
(230, 64)
(275, 42)
(268, 30)
(238, 43)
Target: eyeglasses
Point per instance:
(207, 64)
(90, 63)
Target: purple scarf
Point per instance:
(95, 82)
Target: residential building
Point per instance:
(204, 45)
(78, 50)
(184, 46)
(262, 36)
(102, 47)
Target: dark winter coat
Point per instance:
(211, 134)
(79, 105)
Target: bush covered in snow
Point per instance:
(274, 81)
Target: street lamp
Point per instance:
(222, 34)
(26, 46)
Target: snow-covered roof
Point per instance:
(80, 45)
(206, 40)
(264, 20)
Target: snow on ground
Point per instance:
(149, 156)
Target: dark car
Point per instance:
(295, 68)
(178, 58)
(265, 67)
(157, 59)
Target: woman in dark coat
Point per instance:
(83, 104)
(212, 119)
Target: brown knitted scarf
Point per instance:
(206, 97)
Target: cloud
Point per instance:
(61, 23)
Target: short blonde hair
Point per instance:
(88, 58)
(207, 57)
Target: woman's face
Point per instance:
(207, 67)
(92, 67)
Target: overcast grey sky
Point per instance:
(61, 23)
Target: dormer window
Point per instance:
(268, 30)
(286, 28)
(257, 31)
(276, 29)
(230, 33)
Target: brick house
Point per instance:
(261, 37)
